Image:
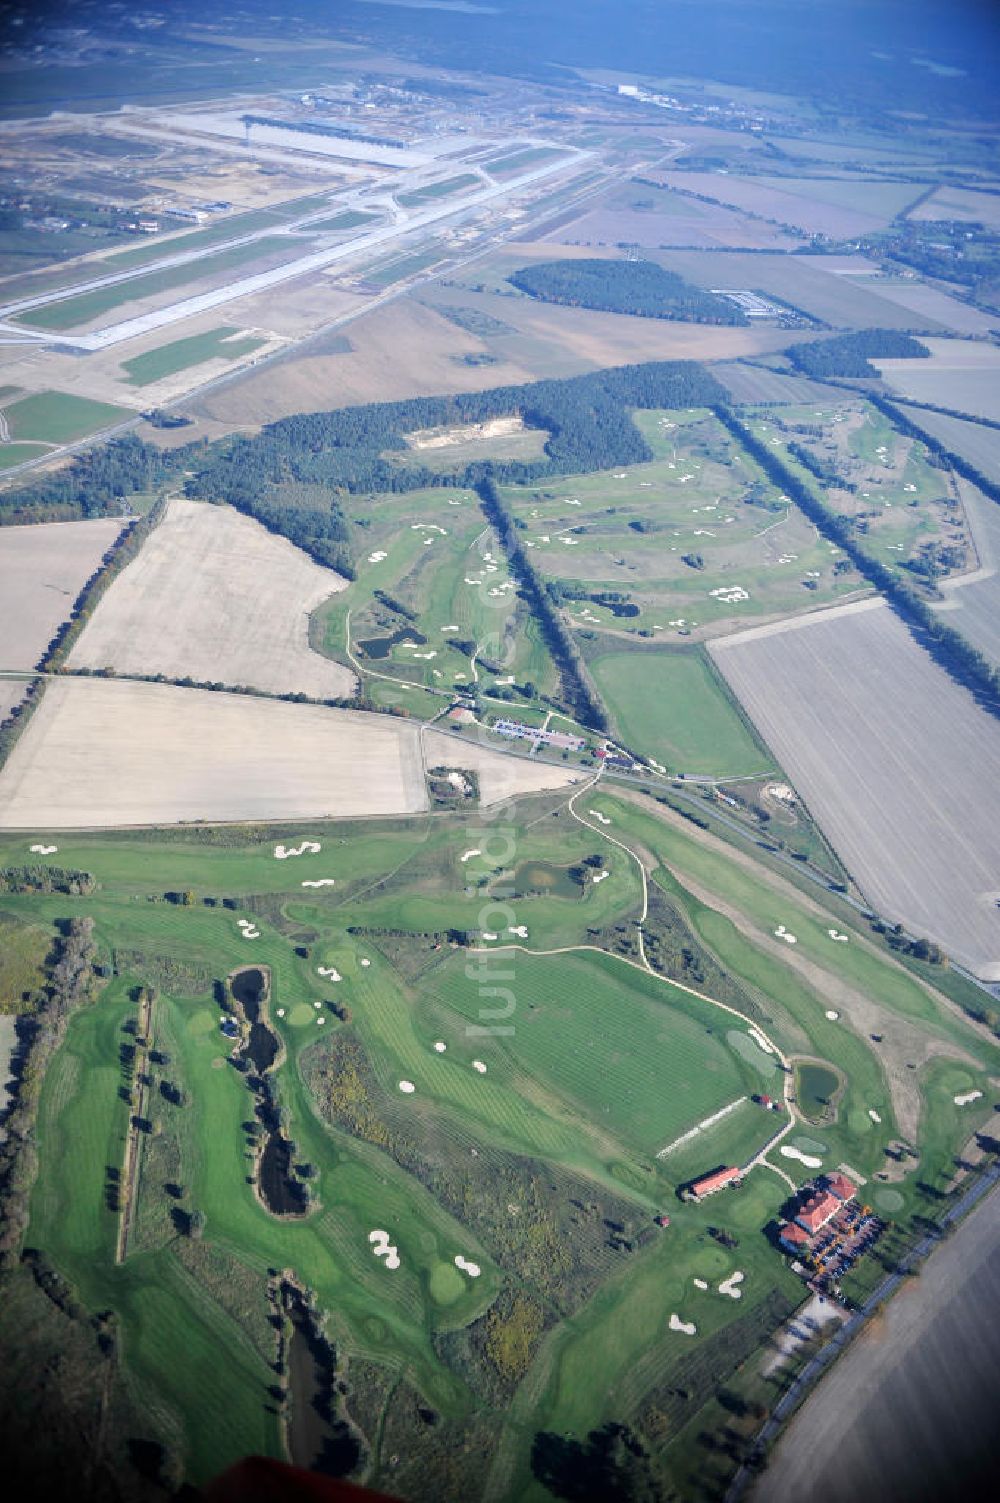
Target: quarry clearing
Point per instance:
(215, 597)
(100, 754)
(42, 571)
(909, 798)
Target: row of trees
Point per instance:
(951, 649)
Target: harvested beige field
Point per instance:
(12, 691)
(963, 204)
(896, 762)
(500, 776)
(43, 568)
(104, 754)
(216, 597)
(816, 206)
(961, 374)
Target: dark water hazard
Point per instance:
(282, 1193)
(318, 1438)
(541, 878)
(249, 988)
(380, 647)
(815, 1088)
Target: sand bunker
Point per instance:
(407, 1087)
(833, 1016)
(782, 933)
(377, 556)
(248, 928)
(701, 1283)
(521, 930)
(320, 882)
(479, 1067)
(600, 876)
(282, 852)
(383, 1248)
(366, 961)
(969, 1096)
(330, 972)
(280, 1012)
(43, 850)
(440, 1046)
(686, 1327)
(468, 855)
(601, 818)
(835, 934)
(472, 1269)
(728, 1286)
(320, 1022)
(804, 1158)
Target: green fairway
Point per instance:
(574, 1093)
(59, 417)
(179, 354)
(671, 705)
(68, 312)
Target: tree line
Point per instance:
(850, 354)
(643, 288)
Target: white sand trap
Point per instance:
(760, 1041)
(440, 1046)
(43, 850)
(832, 1015)
(320, 882)
(392, 1260)
(874, 1114)
(251, 933)
(407, 1087)
(835, 934)
(701, 1283)
(244, 923)
(281, 1012)
(320, 1022)
(330, 972)
(472, 1269)
(686, 1327)
(728, 1286)
(600, 876)
(804, 1158)
(317, 1005)
(383, 1248)
(468, 855)
(488, 934)
(366, 961)
(967, 1098)
(601, 818)
(479, 1067)
(377, 556)
(521, 930)
(308, 847)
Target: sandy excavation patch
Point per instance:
(103, 753)
(446, 438)
(43, 568)
(215, 596)
(500, 777)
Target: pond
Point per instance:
(816, 1086)
(541, 879)
(281, 1192)
(380, 647)
(318, 1438)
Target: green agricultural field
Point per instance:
(59, 417)
(671, 705)
(15, 454)
(440, 190)
(533, 1146)
(387, 272)
(349, 220)
(430, 552)
(230, 228)
(69, 312)
(179, 354)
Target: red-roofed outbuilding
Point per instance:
(717, 1180)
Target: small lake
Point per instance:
(380, 647)
(318, 1439)
(815, 1088)
(281, 1192)
(541, 879)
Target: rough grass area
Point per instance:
(59, 417)
(180, 354)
